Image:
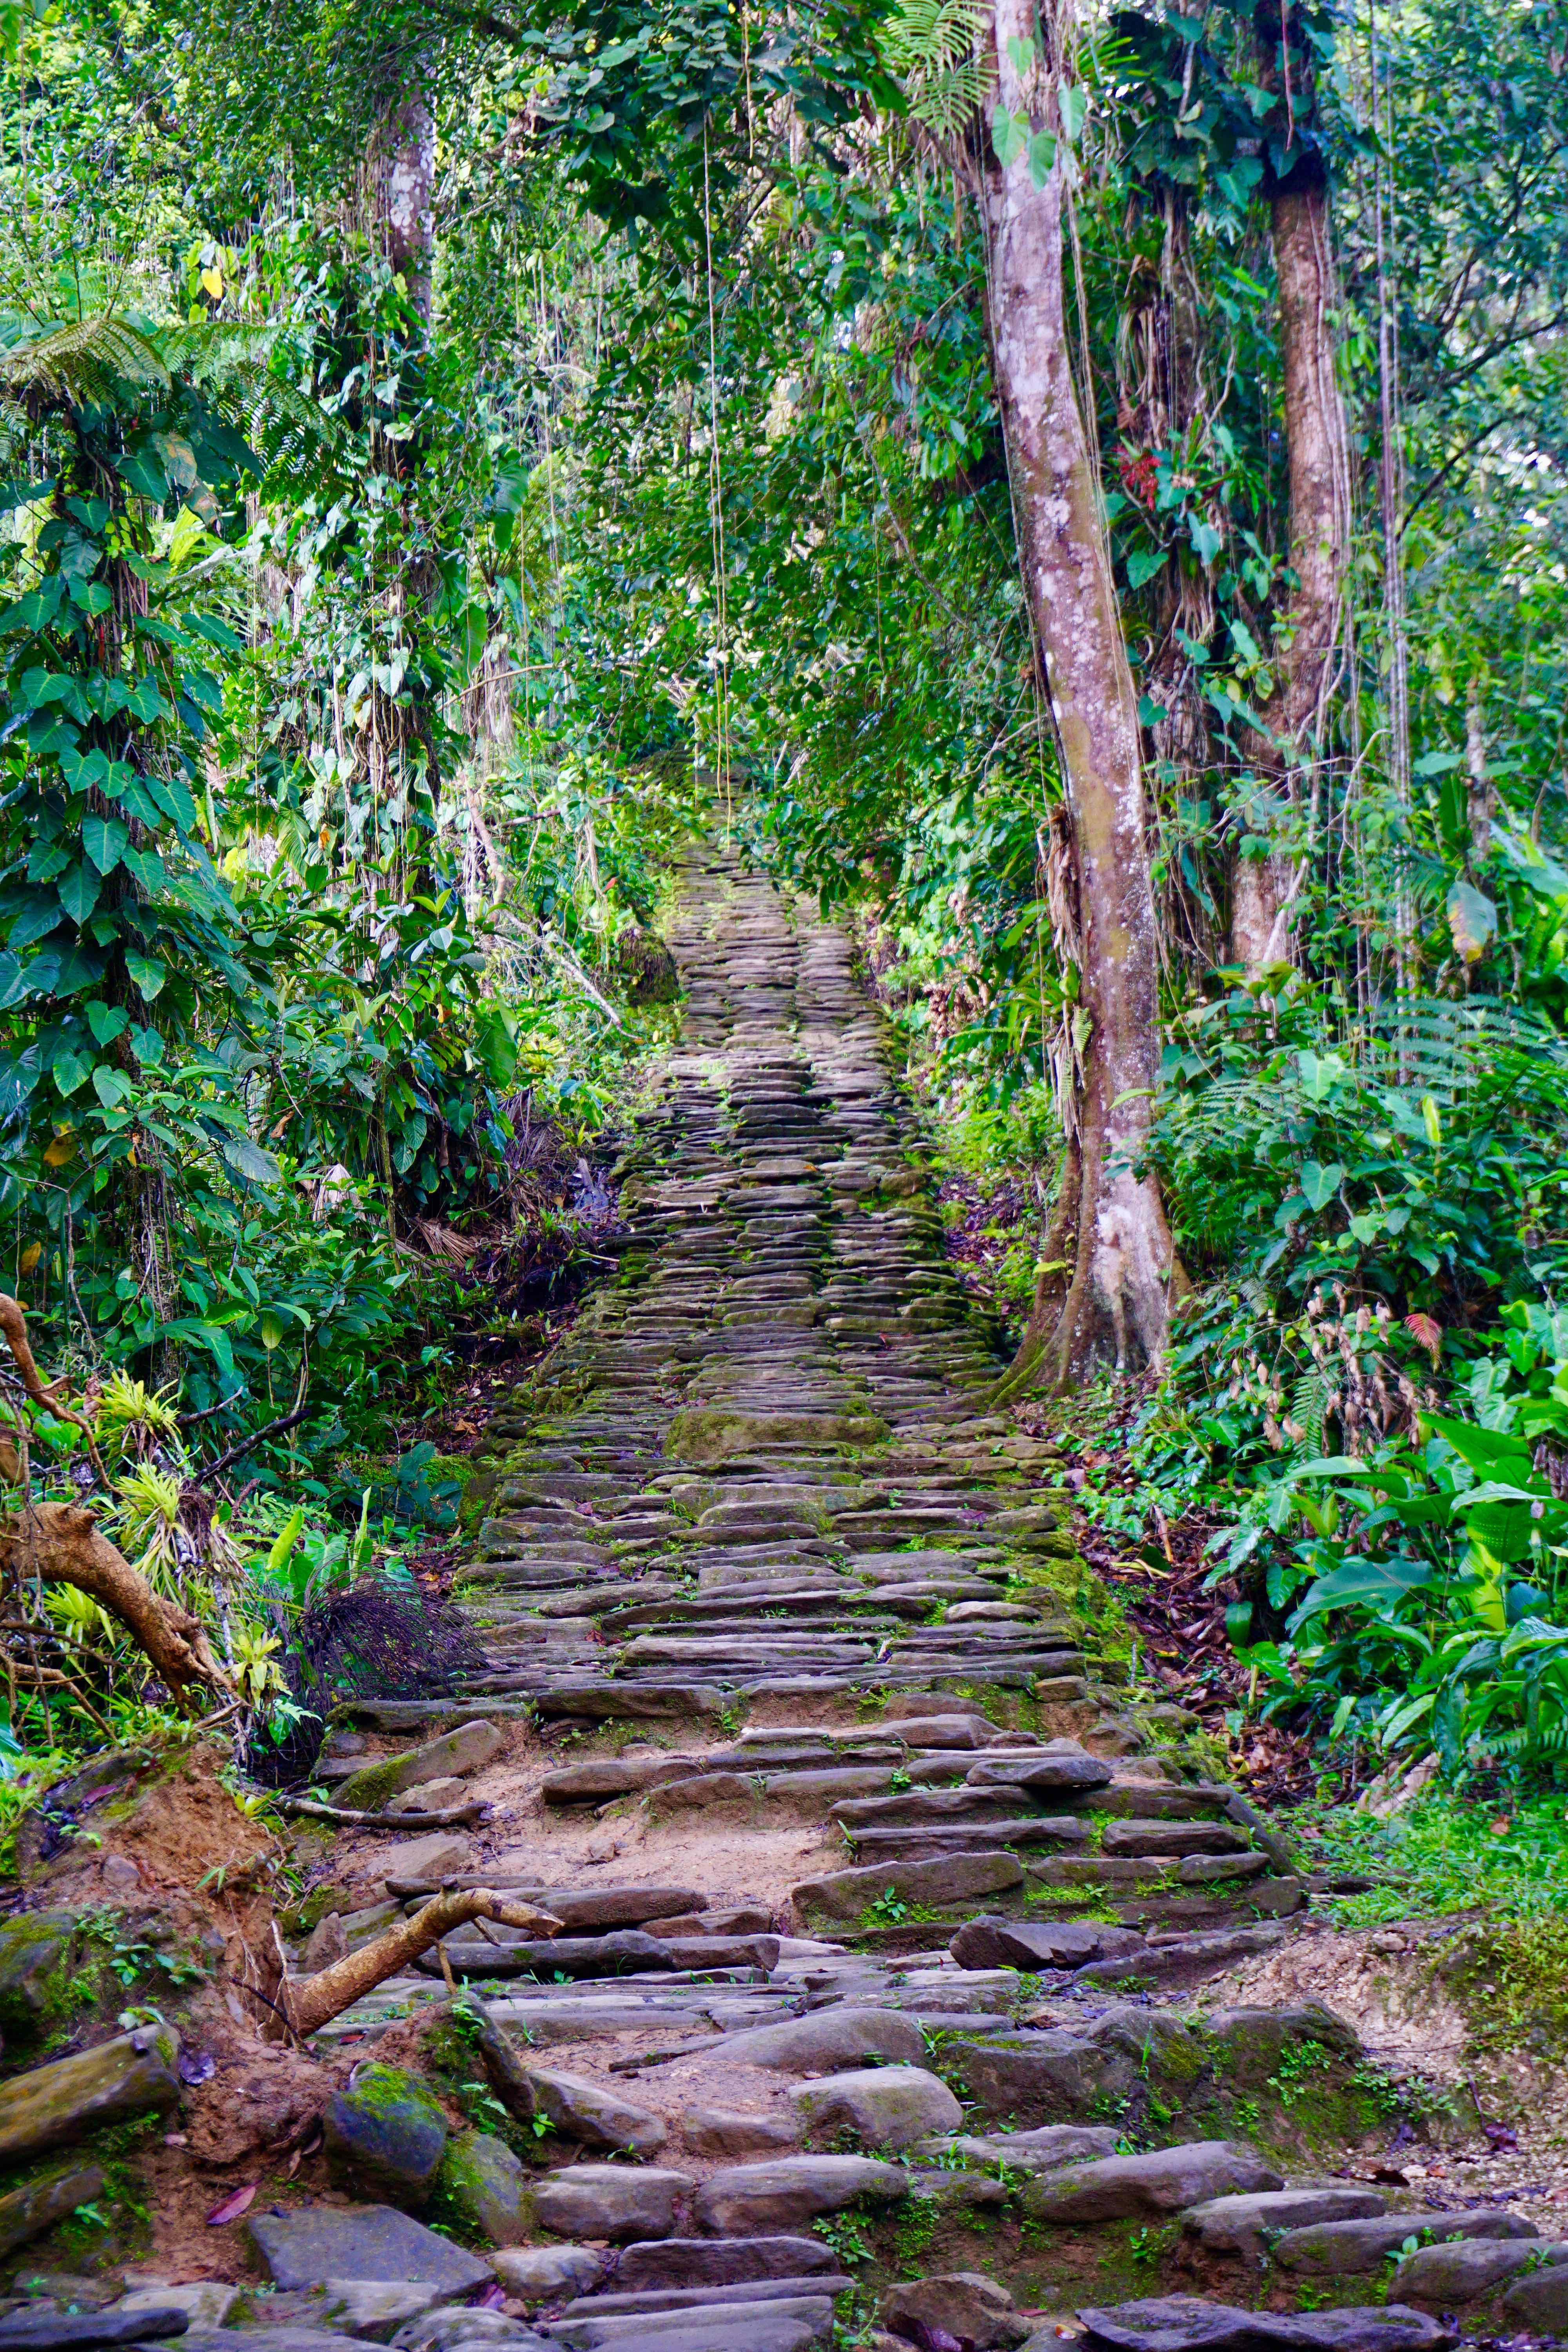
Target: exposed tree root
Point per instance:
(310, 2002)
(444, 1817)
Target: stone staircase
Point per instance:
(878, 2003)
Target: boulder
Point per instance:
(35, 1973)
(376, 2308)
(1045, 2150)
(1034, 1944)
(884, 2106)
(791, 2324)
(1164, 2180)
(1248, 2046)
(1185, 2323)
(535, 2274)
(1130, 2055)
(206, 2303)
(385, 2130)
(610, 2202)
(1247, 2226)
(966, 2305)
(722, 2262)
(27, 2212)
(1540, 2300)
(1445, 2278)
(428, 1797)
(793, 2189)
(646, 968)
(581, 2111)
(482, 2181)
(34, 2331)
(1340, 2249)
(430, 1859)
(472, 2327)
(827, 2037)
(715, 2131)
(455, 1754)
(323, 2242)
(131, 2075)
(596, 1783)
(327, 1942)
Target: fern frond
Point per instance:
(82, 361)
(932, 45)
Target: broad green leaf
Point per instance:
(1365, 1584)
(1472, 920)
(148, 974)
(248, 1159)
(79, 892)
(107, 1022)
(1073, 99)
(1042, 156)
(1009, 136)
(272, 1328)
(1320, 1184)
(104, 838)
(1142, 566)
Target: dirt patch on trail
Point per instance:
(1382, 1980)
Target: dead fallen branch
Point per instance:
(313, 2001)
(63, 1543)
(44, 1393)
(445, 1817)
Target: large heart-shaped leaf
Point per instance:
(104, 839)
(1319, 1184)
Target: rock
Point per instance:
(949, 1731)
(953, 1878)
(328, 1941)
(1172, 1840)
(993, 1943)
(1248, 2045)
(323, 2242)
(626, 1952)
(277, 2336)
(1163, 2181)
(967, 2305)
(206, 2303)
(443, 2331)
(596, 1783)
(61, 2332)
(646, 968)
(376, 2308)
(133, 2075)
(386, 2131)
(34, 1972)
(1186, 1957)
(787, 2324)
(1340, 2249)
(712, 1436)
(1124, 2060)
(714, 2131)
(1445, 2278)
(1046, 1770)
(27, 2212)
(535, 2274)
(482, 2181)
(1045, 2150)
(1248, 2225)
(456, 1753)
(610, 2202)
(884, 2106)
(793, 2189)
(1540, 2302)
(429, 1797)
(434, 1857)
(725, 2262)
(1185, 2323)
(829, 2037)
(594, 2117)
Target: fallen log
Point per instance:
(444, 1817)
(310, 2002)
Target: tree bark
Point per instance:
(1307, 638)
(62, 1544)
(1109, 1303)
(310, 2002)
(407, 190)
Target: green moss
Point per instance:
(1511, 1976)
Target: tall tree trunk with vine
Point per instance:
(1106, 1297)
(1264, 883)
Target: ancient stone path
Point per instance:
(885, 1917)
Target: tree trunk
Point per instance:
(1109, 1304)
(407, 191)
(1307, 638)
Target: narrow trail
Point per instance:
(886, 1919)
